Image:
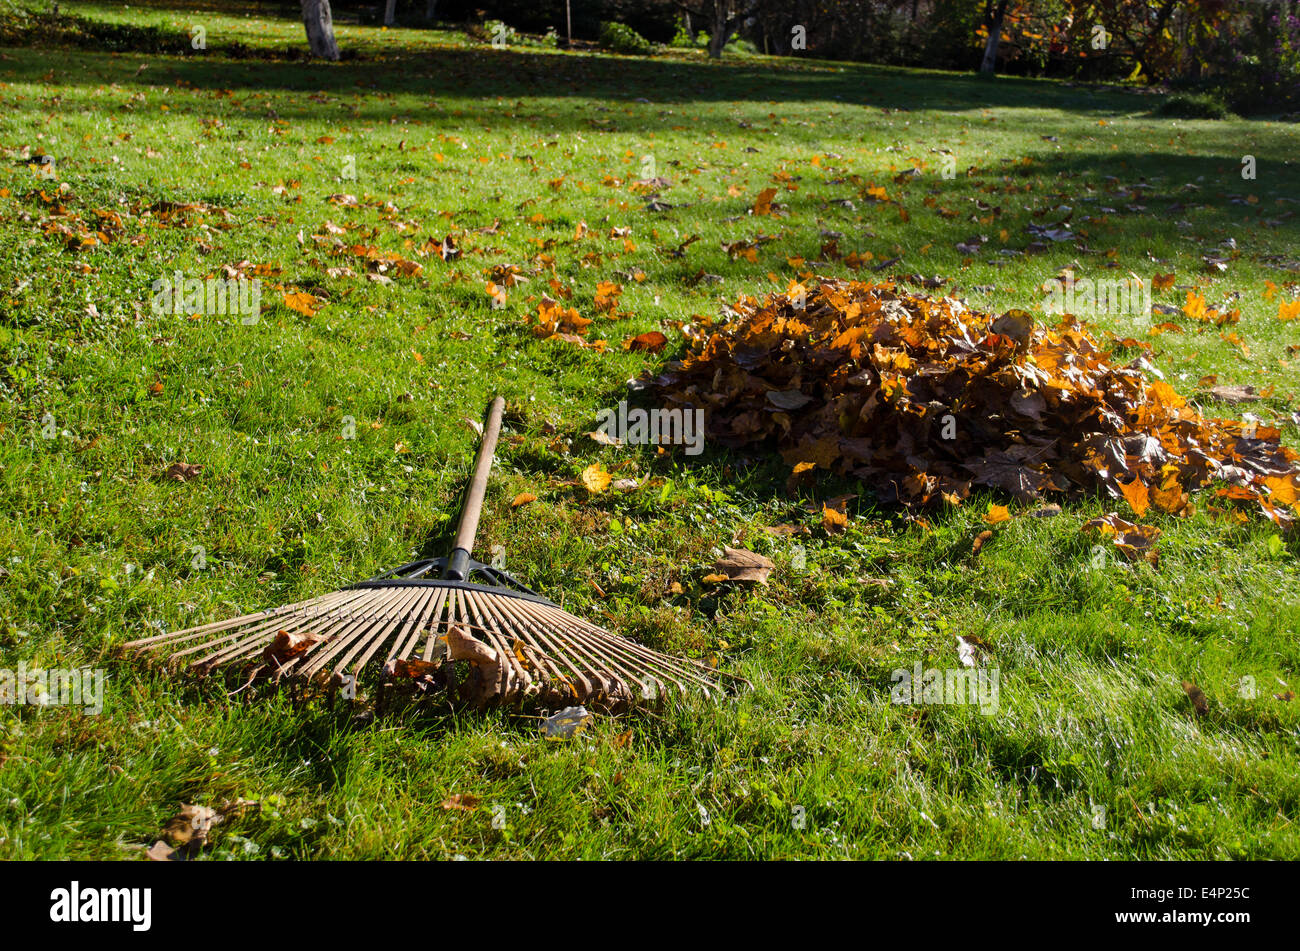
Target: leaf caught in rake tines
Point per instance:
(422, 674)
(287, 647)
(486, 669)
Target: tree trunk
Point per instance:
(431, 11)
(722, 27)
(320, 29)
(993, 17)
(390, 13)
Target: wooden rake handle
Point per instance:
(458, 562)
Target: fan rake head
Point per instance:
(450, 623)
(515, 645)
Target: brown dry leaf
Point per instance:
(1171, 498)
(182, 471)
(1286, 696)
(739, 564)
(191, 825)
(188, 830)
(1197, 696)
(160, 851)
(982, 539)
(286, 646)
(486, 680)
(595, 478)
(652, 342)
(411, 668)
(1133, 541)
(786, 530)
(1016, 324)
(466, 802)
(763, 203)
(523, 498)
(1235, 394)
(788, 399)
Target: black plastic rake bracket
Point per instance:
(457, 571)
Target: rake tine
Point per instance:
(553, 649)
(380, 630)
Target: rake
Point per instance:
(426, 617)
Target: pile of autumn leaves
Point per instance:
(923, 400)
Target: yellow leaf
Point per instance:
(1138, 495)
(833, 521)
(304, 303)
(1282, 489)
(523, 498)
(996, 514)
(595, 478)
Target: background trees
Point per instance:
(1244, 50)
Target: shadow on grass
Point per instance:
(526, 74)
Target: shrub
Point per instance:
(682, 38)
(498, 32)
(737, 45)
(621, 38)
(1193, 106)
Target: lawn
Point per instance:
(332, 435)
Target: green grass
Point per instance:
(456, 136)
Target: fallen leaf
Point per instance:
(465, 802)
(739, 564)
(523, 498)
(304, 303)
(1197, 696)
(1235, 394)
(566, 724)
(287, 646)
(996, 514)
(595, 478)
(652, 342)
(1138, 495)
(191, 825)
(182, 471)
